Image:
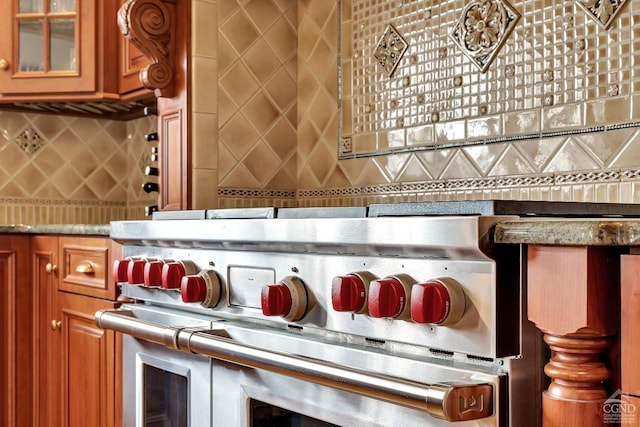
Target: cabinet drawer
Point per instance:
(85, 266)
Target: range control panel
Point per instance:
(438, 303)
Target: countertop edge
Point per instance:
(569, 232)
(572, 232)
(57, 229)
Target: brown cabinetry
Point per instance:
(167, 49)
(67, 50)
(75, 367)
(15, 336)
(630, 339)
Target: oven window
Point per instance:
(266, 415)
(165, 398)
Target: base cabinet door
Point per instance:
(87, 363)
(47, 376)
(15, 332)
(76, 364)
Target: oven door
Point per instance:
(261, 376)
(260, 398)
(164, 386)
(348, 386)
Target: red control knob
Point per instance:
(120, 268)
(349, 293)
(173, 272)
(153, 273)
(135, 271)
(203, 288)
(288, 299)
(193, 289)
(439, 301)
(388, 297)
(276, 300)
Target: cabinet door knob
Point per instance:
(56, 324)
(86, 267)
(50, 268)
(4, 64)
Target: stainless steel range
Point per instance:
(387, 315)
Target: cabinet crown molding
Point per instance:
(150, 26)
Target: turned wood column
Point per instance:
(573, 297)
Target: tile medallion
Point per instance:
(29, 140)
(482, 29)
(390, 49)
(602, 11)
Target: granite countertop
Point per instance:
(72, 229)
(544, 231)
(574, 232)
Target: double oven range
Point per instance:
(394, 314)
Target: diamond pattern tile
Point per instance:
(282, 37)
(261, 163)
(29, 140)
(239, 31)
(263, 13)
(30, 179)
(238, 135)
(603, 12)
(239, 83)
(262, 93)
(482, 29)
(261, 60)
(101, 183)
(390, 50)
(85, 163)
(322, 163)
(261, 112)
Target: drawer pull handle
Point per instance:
(50, 268)
(56, 324)
(86, 267)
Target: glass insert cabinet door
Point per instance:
(50, 47)
(47, 36)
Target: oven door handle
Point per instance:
(452, 402)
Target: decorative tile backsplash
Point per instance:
(56, 169)
(390, 50)
(481, 30)
(471, 66)
(603, 12)
(29, 140)
(553, 146)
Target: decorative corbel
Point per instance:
(150, 26)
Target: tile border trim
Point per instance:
(59, 202)
(488, 183)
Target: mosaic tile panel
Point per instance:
(555, 59)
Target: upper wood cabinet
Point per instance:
(66, 50)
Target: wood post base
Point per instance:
(576, 394)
